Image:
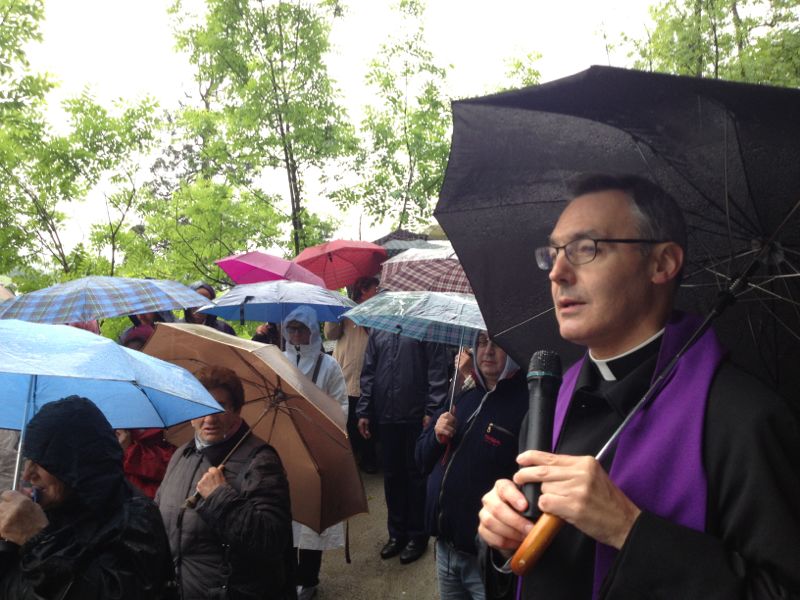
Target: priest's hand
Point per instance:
(578, 490)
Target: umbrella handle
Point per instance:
(535, 543)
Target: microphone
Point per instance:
(544, 379)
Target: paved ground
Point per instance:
(368, 577)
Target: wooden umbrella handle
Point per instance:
(535, 543)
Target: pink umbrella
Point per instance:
(341, 262)
(252, 267)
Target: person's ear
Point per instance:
(667, 262)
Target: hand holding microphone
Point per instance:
(544, 380)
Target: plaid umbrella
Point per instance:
(100, 297)
(341, 262)
(444, 317)
(419, 269)
(252, 267)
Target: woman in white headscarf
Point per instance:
(300, 329)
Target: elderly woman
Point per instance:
(304, 350)
(235, 543)
(463, 451)
(83, 532)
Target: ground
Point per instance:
(368, 577)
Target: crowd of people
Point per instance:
(697, 499)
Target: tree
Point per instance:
(260, 67)
(521, 72)
(41, 171)
(408, 134)
(746, 40)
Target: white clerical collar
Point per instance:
(603, 364)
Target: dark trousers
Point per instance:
(403, 482)
(308, 565)
(363, 450)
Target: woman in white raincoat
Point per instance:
(304, 350)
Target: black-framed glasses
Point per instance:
(581, 250)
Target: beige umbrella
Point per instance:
(305, 425)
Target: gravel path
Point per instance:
(368, 577)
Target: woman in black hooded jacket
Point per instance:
(91, 536)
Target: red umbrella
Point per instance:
(253, 267)
(341, 262)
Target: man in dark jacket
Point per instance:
(463, 451)
(83, 532)
(190, 315)
(403, 382)
(235, 543)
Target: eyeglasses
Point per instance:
(580, 251)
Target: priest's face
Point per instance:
(606, 304)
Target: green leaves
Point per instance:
(746, 40)
(402, 163)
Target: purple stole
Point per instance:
(658, 462)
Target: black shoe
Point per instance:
(392, 548)
(413, 550)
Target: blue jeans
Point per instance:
(458, 573)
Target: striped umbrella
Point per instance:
(98, 297)
(443, 317)
(425, 269)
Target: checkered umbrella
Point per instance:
(99, 297)
(443, 317)
(425, 269)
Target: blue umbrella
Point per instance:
(99, 297)
(444, 317)
(271, 301)
(43, 363)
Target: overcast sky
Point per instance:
(123, 49)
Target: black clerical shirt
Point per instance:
(597, 409)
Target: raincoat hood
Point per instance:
(74, 442)
(308, 317)
(508, 371)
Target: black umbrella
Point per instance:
(728, 152)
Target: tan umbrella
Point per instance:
(5, 294)
(305, 425)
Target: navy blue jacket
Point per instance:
(483, 450)
(402, 379)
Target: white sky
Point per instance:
(123, 49)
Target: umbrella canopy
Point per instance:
(425, 269)
(728, 152)
(42, 363)
(305, 425)
(271, 301)
(252, 267)
(341, 262)
(5, 294)
(99, 297)
(443, 317)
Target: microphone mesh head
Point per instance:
(544, 363)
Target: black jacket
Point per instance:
(106, 540)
